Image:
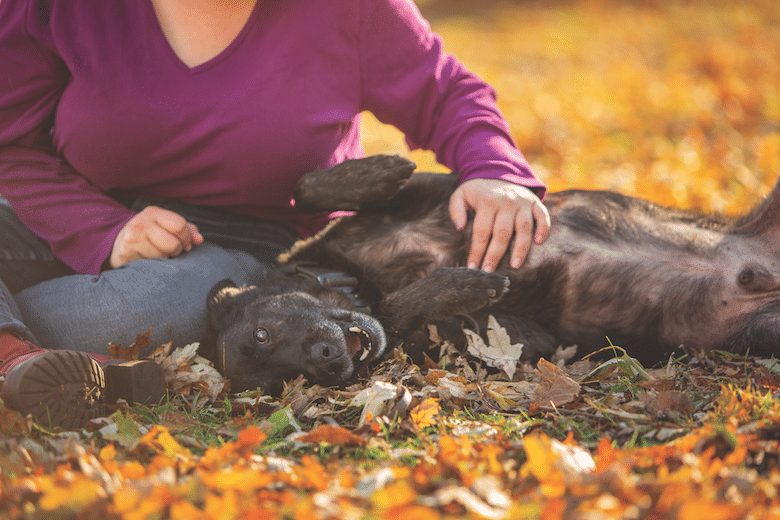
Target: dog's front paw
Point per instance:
(384, 176)
(348, 185)
(456, 290)
(446, 291)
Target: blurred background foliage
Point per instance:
(677, 101)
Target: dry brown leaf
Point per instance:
(132, 352)
(13, 423)
(670, 400)
(555, 386)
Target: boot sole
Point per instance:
(59, 388)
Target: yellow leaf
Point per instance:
(697, 509)
(223, 507)
(161, 441)
(182, 509)
(125, 499)
(395, 494)
(424, 414)
(108, 452)
(541, 459)
(75, 496)
(236, 479)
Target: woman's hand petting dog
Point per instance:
(153, 233)
(501, 210)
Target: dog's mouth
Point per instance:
(360, 343)
(365, 341)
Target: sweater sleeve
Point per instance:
(408, 81)
(78, 221)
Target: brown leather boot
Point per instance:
(66, 388)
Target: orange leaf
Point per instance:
(335, 435)
(393, 496)
(424, 414)
(412, 512)
(251, 437)
(132, 470)
(108, 452)
(182, 509)
(606, 454)
(235, 479)
(222, 507)
(696, 510)
(126, 499)
(161, 441)
(541, 459)
(314, 474)
(77, 494)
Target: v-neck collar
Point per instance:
(163, 42)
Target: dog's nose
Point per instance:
(323, 352)
(331, 365)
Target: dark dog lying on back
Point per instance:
(650, 278)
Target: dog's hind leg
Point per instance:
(347, 185)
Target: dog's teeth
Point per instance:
(356, 330)
(365, 354)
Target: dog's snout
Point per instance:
(330, 362)
(323, 352)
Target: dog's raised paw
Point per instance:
(460, 290)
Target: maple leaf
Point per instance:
(424, 414)
(499, 352)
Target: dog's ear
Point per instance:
(225, 299)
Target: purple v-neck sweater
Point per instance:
(93, 99)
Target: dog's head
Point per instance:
(265, 339)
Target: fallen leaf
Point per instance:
(764, 378)
(555, 386)
(499, 352)
(335, 435)
(185, 371)
(670, 400)
(470, 501)
(375, 399)
(280, 423)
(13, 423)
(132, 352)
(161, 441)
(424, 414)
(562, 355)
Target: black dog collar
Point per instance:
(333, 279)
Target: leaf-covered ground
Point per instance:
(676, 101)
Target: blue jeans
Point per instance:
(44, 301)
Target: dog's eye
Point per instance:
(262, 335)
